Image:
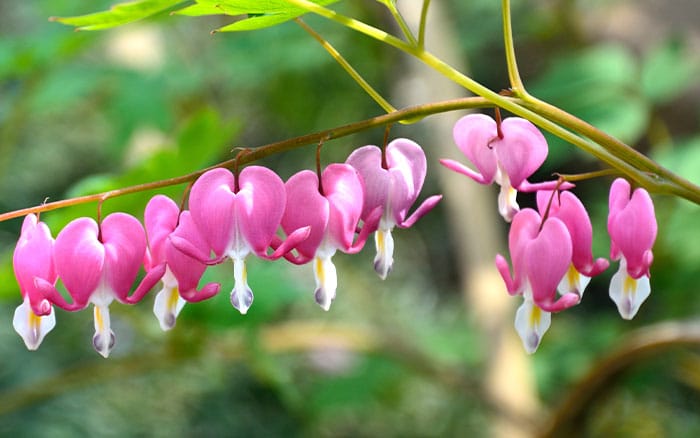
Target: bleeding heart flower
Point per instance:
(541, 253)
(566, 207)
(237, 216)
(332, 210)
(99, 263)
(182, 272)
(393, 187)
(632, 228)
(33, 264)
(507, 160)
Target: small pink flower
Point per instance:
(394, 189)
(33, 264)
(237, 216)
(632, 228)
(333, 215)
(98, 264)
(507, 161)
(541, 254)
(569, 209)
(182, 272)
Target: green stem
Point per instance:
(516, 84)
(402, 115)
(421, 26)
(391, 5)
(347, 67)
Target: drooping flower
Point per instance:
(182, 272)
(332, 210)
(632, 228)
(393, 186)
(237, 215)
(99, 263)
(541, 253)
(507, 160)
(569, 209)
(33, 264)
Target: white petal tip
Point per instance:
(167, 307)
(322, 299)
(242, 300)
(628, 293)
(104, 343)
(30, 327)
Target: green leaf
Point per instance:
(258, 22)
(118, 14)
(668, 71)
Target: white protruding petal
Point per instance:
(532, 323)
(168, 303)
(30, 327)
(326, 281)
(241, 295)
(384, 260)
(104, 339)
(507, 197)
(573, 282)
(628, 293)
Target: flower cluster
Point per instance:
(550, 248)
(230, 217)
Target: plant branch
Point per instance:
(347, 67)
(636, 347)
(413, 114)
(391, 5)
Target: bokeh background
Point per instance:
(431, 351)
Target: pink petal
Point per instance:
(367, 160)
(211, 203)
(33, 259)
(546, 262)
(261, 203)
(306, 207)
(407, 163)
(458, 167)
(79, 259)
(522, 150)
(344, 191)
(124, 242)
(473, 135)
(160, 219)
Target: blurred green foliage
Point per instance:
(394, 358)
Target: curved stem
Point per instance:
(412, 113)
(650, 341)
(516, 84)
(421, 26)
(347, 67)
(391, 5)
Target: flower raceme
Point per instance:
(632, 228)
(506, 155)
(391, 184)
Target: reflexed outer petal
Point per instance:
(473, 134)
(124, 242)
(79, 259)
(30, 327)
(628, 293)
(632, 227)
(32, 259)
(306, 207)
(531, 323)
(212, 203)
(187, 271)
(344, 190)
(522, 150)
(262, 202)
(547, 260)
(160, 219)
(367, 160)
